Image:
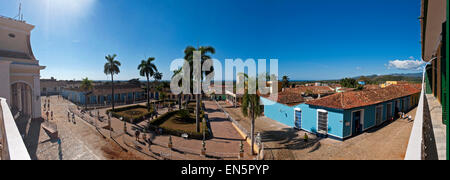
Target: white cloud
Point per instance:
(406, 64)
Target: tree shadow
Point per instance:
(289, 138)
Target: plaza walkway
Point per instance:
(87, 138)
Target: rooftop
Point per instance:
(106, 88)
(353, 99)
(313, 89)
(287, 98)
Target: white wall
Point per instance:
(5, 88)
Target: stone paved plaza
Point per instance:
(88, 139)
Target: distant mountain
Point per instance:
(409, 74)
(415, 77)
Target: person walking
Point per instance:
(52, 114)
(137, 133)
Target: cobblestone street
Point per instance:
(388, 142)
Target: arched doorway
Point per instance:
(21, 100)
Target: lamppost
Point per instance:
(109, 124)
(124, 125)
(241, 152)
(203, 148)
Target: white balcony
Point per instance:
(12, 146)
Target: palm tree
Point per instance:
(148, 69)
(112, 67)
(189, 56)
(86, 86)
(158, 76)
(285, 81)
(179, 83)
(251, 107)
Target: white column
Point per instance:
(5, 86)
(36, 97)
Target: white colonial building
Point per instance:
(19, 69)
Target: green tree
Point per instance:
(349, 83)
(160, 87)
(285, 81)
(251, 107)
(112, 67)
(179, 83)
(86, 86)
(189, 57)
(147, 69)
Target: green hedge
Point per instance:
(136, 119)
(155, 124)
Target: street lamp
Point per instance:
(109, 124)
(124, 125)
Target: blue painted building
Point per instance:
(101, 94)
(342, 115)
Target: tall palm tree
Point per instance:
(86, 86)
(179, 83)
(148, 69)
(189, 57)
(158, 76)
(251, 107)
(112, 67)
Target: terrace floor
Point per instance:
(433, 114)
(387, 142)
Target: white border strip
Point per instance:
(414, 150)
(16, 147)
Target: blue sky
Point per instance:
(319, 39)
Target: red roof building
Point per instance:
(353, 99)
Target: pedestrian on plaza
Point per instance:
(68, 116)
(47, 115)
(73, 118)
(144, 136)
(149, 142)
(52, 114)
(137, 133)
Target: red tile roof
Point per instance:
(313, 89)
(372, 86)
(287, 98)
(353, 99)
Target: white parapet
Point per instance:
(414, 150)
(14, 147)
